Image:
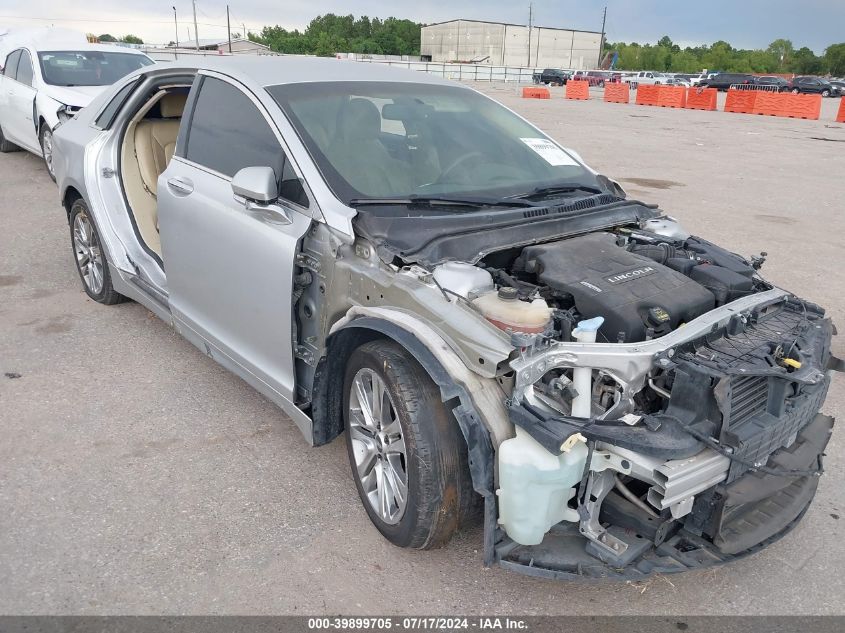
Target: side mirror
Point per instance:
(256, 184)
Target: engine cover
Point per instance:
(632, 293)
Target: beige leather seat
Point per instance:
(155, 139)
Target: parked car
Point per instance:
(811, 85)
(723, 81)
(645, 77)
(596, 78)
(551, 76)
(395, 255)
(778, 83)
(44, 84)
(838, 87)
(696, 80)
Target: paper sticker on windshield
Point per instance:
(549, 152)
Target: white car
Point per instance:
(44, 84)
(646, 77)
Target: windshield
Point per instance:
(399, 140)
(88, 68)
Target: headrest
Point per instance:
(360, 120)
(172, 105)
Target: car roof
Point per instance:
(55, 47)
(272, 70)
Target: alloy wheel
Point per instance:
(378, 445)
(89, 255)
(47, 148)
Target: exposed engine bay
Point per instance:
(665, 399)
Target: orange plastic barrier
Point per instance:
(616, 92)
(672, 96)
(741, 101)
(577, 90)
(802, 106)
(770, 103)
(840, 118)
(535, 93)
(701, 98)
(647, 95)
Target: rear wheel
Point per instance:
(7, 146)
(795, 91)
(45, 138)
(825, 93)
(408, 457)
(90, 259)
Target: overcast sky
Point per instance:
(743, 23)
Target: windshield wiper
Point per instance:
(441, 201)
(541, 192)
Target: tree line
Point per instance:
(779, 57)
(328, 34)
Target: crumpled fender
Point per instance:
(485, 394)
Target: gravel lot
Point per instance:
(136, 476)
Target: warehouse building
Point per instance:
(502, 44)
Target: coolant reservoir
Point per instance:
(505, 311)
(463, 279)
(535, 486)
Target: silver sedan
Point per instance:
(493, 323)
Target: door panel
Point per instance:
(229, 265)
(230, 270)
(22, 101)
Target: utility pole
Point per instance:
(229, 29)
(176, 24)
(601, 44)
(196, 34)
(530, 21)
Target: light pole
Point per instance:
(176, 24)
(196, 34)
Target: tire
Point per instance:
(825, 93)
(601, 84)
(87, 249)
(438, 496)
(795, 91)
(7, 146)
(45, 140)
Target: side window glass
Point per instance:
(25, 69)
(227, 133)
(11, 67)
(107, 115)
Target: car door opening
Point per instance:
(148, 146)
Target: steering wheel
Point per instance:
(457, 163)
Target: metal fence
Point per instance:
(756, 87)
(463, 72)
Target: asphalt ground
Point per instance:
(138, 477)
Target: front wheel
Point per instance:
(45, 138)
(825, 93)
(90, 259)
(601, 84)
(795, 91)
(408, 457)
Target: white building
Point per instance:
(503, 44)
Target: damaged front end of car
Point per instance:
(662, 398)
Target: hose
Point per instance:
(630, 496)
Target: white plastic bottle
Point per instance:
(536, 486)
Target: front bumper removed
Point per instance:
(739, 446)
(746, 515)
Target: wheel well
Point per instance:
(71, 196)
